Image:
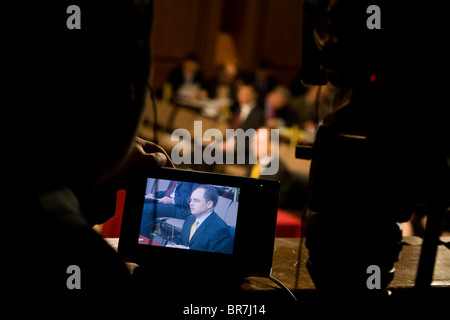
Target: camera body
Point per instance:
(370, 165)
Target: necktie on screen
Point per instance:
(193, 229)
(171, 188)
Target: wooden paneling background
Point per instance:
(261, 29)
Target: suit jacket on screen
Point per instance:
(213, 235)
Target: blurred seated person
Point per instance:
(173, 202)
(223, 86)
(293, 185)
(246, 115)
(246, 112)
(279, 112)
(204, 230)
(187, 80)
(264, 80)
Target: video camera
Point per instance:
(375, 159)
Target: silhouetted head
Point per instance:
(75, 96)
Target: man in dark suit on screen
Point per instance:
(204, 230)
(173, 202)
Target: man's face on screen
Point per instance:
(198, 204)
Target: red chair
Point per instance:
(288, 225)
(111, 228)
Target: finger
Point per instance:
(169, 163)
(150, 147)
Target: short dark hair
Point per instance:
(98, 77)
(210, 194)
(192, 57)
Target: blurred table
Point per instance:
(286, 255)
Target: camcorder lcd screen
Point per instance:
(195, 218)
(189, 216)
